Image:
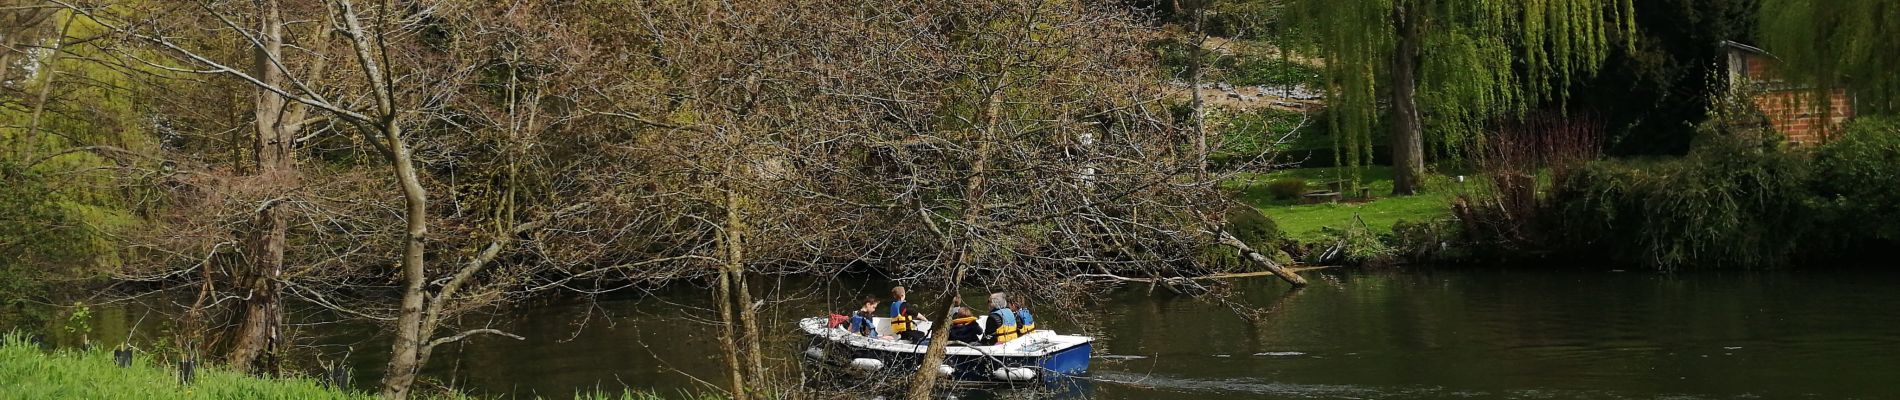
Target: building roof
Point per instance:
(1734, 45)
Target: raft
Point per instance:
(1043, 355)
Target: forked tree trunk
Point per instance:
(276, 123)
(728, 337)
(734, 303)
(1408, 141)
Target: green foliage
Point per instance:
(1355, 244)
(1479, 59)
(1734, 202)
(1239, 65)
(1254, 228)
(1251, 134)
(1653, 93)
(1427, 240)
(1837, 43)
(1286, 188)
(35, 232)
(1855, 178)
(1251, 69)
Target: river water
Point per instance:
(1394, 335)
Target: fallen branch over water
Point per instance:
(1184, 279)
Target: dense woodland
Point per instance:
(406, 162)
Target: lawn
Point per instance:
(27, 372)
(1304, 221)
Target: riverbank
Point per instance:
(28, 372)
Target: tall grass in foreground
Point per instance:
(26, 372)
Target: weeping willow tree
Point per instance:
(1838, 43)
(1442, 67)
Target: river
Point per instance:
(1395, 335)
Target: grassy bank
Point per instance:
(27, 372)
(1306, 222)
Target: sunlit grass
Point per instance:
(27, 372)
(1306, 221)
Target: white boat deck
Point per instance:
(1040, 343)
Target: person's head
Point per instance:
(998, 300)
(1017, 304)
(897, 293)
(964, 313)
(870, 304)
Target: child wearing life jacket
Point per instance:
(903, 326)
(900, 301)
(1025, 322)
(861, 320)
(963, 328)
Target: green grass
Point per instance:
(26, 372)
(1304, 221)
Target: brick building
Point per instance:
(1790, 108)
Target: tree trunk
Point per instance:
(1408, 142)
(259, 330)
(925, 381)
(728, 336)
(49, 68)
(1200, 106)
(275, 125)
(740, 333)
(406, 349)
(1264, 261)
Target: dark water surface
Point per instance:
(1400, 335)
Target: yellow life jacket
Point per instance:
(1003, 332)
(963, 321)
(900, 324)
(1025, 329)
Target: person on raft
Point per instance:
(903, 326)
(1025, 323)
(899, 302)
(963, 328)
(862, 322)
(1002, 321)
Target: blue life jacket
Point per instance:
(897, 308)
(862, 324)
(1025, 323)
(1002, 325)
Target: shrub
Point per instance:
(1254, 228)
(1355, 245)
(1855, 178)
(1427, 241)
(1734, 201)
(1286, 188)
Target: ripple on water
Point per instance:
(1256, 388)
